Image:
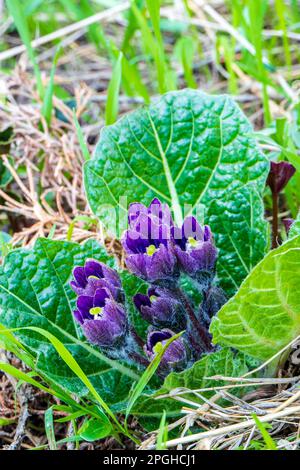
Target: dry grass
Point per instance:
(229, 425)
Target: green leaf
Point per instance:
(49, 428)
(94, 429)
(5, 175)
(74, 366)
(6, 138)
(241, 212)
(35, 292)
(264, 315)
(5, 244)
(187, 148)
(6, 421)
(270, 443)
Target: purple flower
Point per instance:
(155, 210)
(161, 309)
(195, 250)
(174, 357)
(147, 244)
(287, 224)
(279, 175)
(95, 275)
(103, 320)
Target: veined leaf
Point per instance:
(35, 292)
(188, 148)
(264, 315)
(241, 212)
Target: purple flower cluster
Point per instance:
(100, 309)
(160, 253)
(157, 250)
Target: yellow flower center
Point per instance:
(192, 242)
(96, 311)
(152, 298)
(151, 249)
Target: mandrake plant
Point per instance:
(180, 183)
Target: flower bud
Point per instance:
(287, 224)
(149, 251)
(279, 175)
(195, 251)
(161, 309)
(95, 275)
(103, 320)
(175, 356)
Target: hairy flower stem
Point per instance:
(138, 359)
(275, 197)
(203, 335)
(198, 351)
(136, 337)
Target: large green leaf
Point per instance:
(35, 291)
(239, 214)
(264, 315)
(187, 148)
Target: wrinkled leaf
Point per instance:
(186, 148)
(35, 291)
(241, 212)
(264, 315)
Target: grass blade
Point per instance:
(154, 11)
(48, 98)
(280, 9)
(75, 367)
(256, 16)
(185, 51)
(154, 49)
(112, 103)
(49, 428)
(270, 443)
(81, 139)
(162, 435)
(16, 10)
